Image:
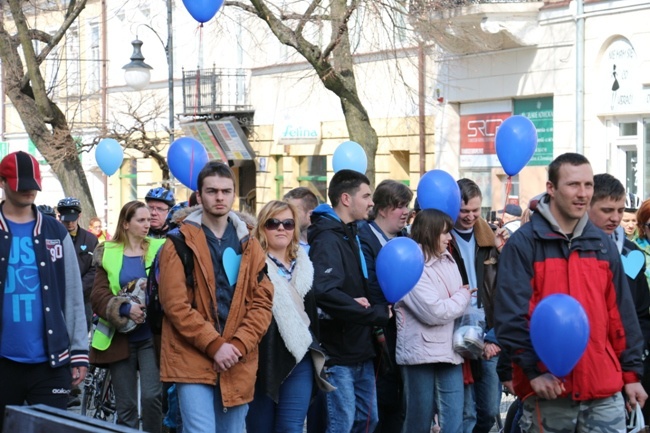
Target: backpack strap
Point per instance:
(185, 255)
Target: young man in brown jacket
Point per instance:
(211, 331)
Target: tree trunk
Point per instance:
(356, 116)
(44, 122)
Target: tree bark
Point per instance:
(336, 75)
(44, 122)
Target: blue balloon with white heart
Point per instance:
(186, 157)
(349, 155)
(109, 155)
(515, 143)
(203, 10)
(438, 189)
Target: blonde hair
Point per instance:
(270, 210)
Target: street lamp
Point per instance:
(137, 73)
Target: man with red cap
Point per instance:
(43, 334)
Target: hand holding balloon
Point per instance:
(547, 386)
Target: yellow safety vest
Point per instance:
(112, 264)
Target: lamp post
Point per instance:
(137, 73)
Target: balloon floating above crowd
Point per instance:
(438, 189)
(515, 142)
(203, 10)
(559, 330)
(349, 155)
(186, 157)
(399, 266)
(109, 155)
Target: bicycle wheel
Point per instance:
(106, 400)
(87, 392)
(512, 418)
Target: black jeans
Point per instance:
(34, 384)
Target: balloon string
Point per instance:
(198, 72)
(508, 189)
(192, 170)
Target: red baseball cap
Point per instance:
(21, 171)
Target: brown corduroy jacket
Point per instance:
(189, 336)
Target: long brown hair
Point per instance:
(428, 226)
(270, 210)
(126, 214)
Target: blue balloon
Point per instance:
(349, 155)
(203, 10)
(515, 143)
(109, 155)
(438, 189)
(186, 157)
(559, 330)
(399, 267)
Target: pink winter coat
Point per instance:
(425, 316)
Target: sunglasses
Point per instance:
(274, 224)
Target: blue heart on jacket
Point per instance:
(633, 263)
(231, 261)
(83, 247)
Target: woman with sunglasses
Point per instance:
(289, 353)
(123, 340)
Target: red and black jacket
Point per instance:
(538, 261)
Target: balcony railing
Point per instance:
(216, 90)
(418, 6)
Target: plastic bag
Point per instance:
(469, 334)
(635, 421)
(135, 291)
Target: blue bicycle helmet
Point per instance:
(161, 194)
(46, 210)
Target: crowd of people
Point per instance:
(279, 321)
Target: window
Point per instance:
(129, 180)
(482, 179)
(313, 175)
(627, 129)
(72, 61)
(94, 64)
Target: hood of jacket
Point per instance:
(544, 209)
(324, 218)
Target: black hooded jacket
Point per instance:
(345, 326)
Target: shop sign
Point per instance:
(540, 112)
(298, 132)
(477, 134)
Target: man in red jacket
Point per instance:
(561, 251)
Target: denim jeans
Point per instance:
(288, 415)
(482, 399)
(203, 412)
(353, 406)
(124, 374)
(431, 388)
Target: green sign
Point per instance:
(540, 112)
